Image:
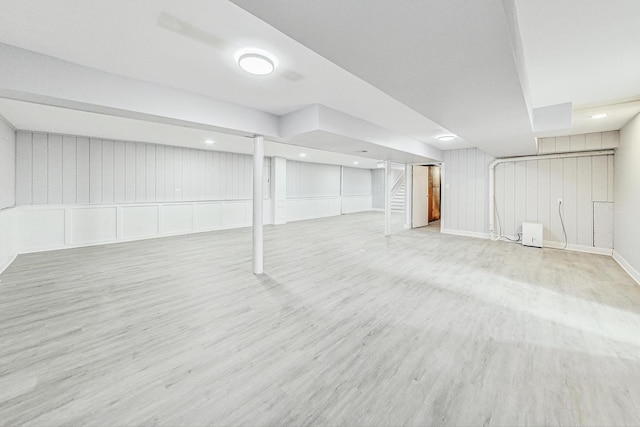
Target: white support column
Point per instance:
(258, 218)
(408, 195)
(387, 198)
(341, 190)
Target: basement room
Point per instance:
(319, 213)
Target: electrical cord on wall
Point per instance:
(500, 236)
(564, 231)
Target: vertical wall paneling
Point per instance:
(7, 187)
(539, 184)
(563, 144)
(178, 157)
(556, 189)
(531, 192)
(544, 198)
(150, 173)
(577, 142)
(119, 172)
(40, 192)
(95, 171)
(593, 141)
(611, 139)
(581, 142)
(130, 172)
(82, 170)
(570, 204)
(584, 203)
(454, 222)
(610, 178)
(599, 178)
(141, 172)
(160, 178)
(108, 179)
(54, 169)
(170, 164)
(202, 175)
(519, 197)
(69, 170)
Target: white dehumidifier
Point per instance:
(532, 234)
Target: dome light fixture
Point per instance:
(599, 116)
(256, 62)
(446, 138)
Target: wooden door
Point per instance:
(434, 193)
(420, 205)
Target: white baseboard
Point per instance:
(578, 248)
(626, 266)
(476, 234)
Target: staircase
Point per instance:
(397, 201)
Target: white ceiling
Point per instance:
(419, 69)
(124, 38)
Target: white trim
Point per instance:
(626, 266)
(476, 234)
(577, 248)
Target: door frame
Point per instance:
(443, 189)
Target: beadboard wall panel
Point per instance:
(466, 191)
(312, 180)
(529, 190)
(377, 188)
(7, 165)
(356, 182)
(582, 142)
(65, 169)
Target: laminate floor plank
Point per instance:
(347, 327)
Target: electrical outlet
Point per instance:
(560, 201)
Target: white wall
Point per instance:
(356, 190)
(64, 169)
(7, 165)
(46, 227)
(465, 192)
(377, 188)
(581, 142)
(313, 191)
(9, 246)
(528, 191)
(627, 197)
(305, 180)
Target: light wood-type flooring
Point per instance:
(347, 327)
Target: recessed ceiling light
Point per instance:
(303, 155)
(446, 138)
(355, 163)
(599, 116)
(209, 141)
(256, 61)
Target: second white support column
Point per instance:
(258, 217)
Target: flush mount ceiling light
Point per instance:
(599, 116)
(355, 163)
(209, 141)
(255, 61)
(446, 138)
(303, 155)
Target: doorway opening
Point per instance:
(426, 196)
